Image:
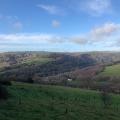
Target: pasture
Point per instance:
(39, 102)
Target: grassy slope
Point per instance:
(23, 59)
(113, 70)
(35, 102)
(28, 62)
(37, 61)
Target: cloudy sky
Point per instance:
(59, 25)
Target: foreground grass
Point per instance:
(113, 70)
(37, 102)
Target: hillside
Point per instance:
(37, 102)
(19, 58)
(48, 64)
(113, 70)
(82, 69)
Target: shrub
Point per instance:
(7, 83)
(30, 80)
(3, 92)
(105, 95)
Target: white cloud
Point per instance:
(97, 7)
(116, 43)
(105, 34)
(55, 23)
(12, 21)
(51, 9)
(106, 30)
(79, 40)
(36, 38)
(18, 25)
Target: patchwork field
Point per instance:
(37, 102)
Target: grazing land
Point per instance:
(113, 70)
(39, 102)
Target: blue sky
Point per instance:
(59, 25)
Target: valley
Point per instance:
(86, 70)
(55, 86)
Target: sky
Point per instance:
(59, 25)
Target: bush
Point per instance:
(3, 92)
(30, 80)
(7, 83)
(105, 97)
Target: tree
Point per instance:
(30, 80)
(3, 92)
(105, 96)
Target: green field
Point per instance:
(37, 61)
(113, 70)
(37, 102)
